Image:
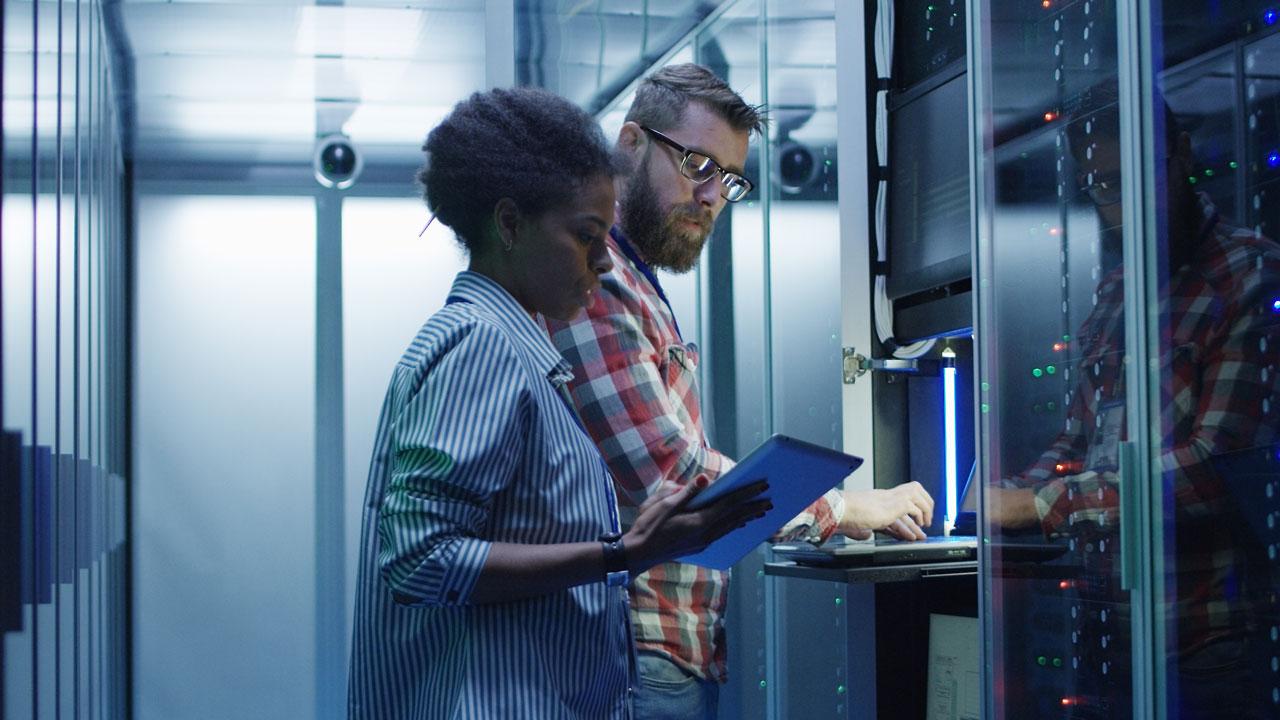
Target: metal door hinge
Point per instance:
(856, 365)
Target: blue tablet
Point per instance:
(798, 473)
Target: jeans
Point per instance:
(667, 692)
(1220, 682)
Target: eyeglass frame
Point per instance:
(686, 153)
(1099, 192)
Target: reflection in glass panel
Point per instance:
(1262, 135)
(797, 173)
(593, 52)
(1216, 284)
(1053, 394)
(733, 354)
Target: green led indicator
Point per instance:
(839, 601)
(1037, 372)
(1192, 180)
(1233, 164)
(763, 684)
(1042, 661)
(840, 689)
(1066, 338)
(985, 408)
(986, 386)
(1051, 369)
(1208, 172)
(759, 573)
(1057, 662)
(1053, 405)
(1036, 408)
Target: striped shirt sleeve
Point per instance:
(455, 443)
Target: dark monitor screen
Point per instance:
(929, 190)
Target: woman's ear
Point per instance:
(506, 221)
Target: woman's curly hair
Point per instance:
(526, 144)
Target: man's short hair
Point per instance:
(663, 97)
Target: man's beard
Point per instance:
(667, 243)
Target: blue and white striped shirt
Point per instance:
(474, 446)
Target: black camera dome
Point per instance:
(337, 163)
(797, 166)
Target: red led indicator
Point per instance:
(1050, 116)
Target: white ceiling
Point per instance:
(250, 82)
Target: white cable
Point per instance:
(883, 306)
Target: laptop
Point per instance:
(841, 551)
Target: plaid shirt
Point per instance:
(1220, 392)
(636, 388)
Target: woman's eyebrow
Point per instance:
(595, 220)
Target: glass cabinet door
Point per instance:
(1208, 93)
(1054, 396)
(1127, 163)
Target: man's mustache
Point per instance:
(696, 215)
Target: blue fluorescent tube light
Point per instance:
(949, 430)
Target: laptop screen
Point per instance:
(969, 494)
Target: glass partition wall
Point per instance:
(767, 298)
(63, 366)
(1128, 327)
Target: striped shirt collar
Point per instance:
(483, 291)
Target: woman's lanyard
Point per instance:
(562, 390)
(645, 270)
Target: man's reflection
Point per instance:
(1219, 390)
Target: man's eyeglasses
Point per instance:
(1103, 191)
(701, 168)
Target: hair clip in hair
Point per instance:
(424, 227)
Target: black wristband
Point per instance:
(615, 559)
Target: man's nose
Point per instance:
(708, 194)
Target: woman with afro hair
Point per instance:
(493, 564)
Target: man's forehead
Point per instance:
(706, 131)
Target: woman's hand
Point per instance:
(667, 529)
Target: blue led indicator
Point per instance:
(1275, 305)
(1269, 17)
(1273, 159)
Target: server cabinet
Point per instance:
(1128, 307)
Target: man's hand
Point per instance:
(1012, 508)
(901, 511)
